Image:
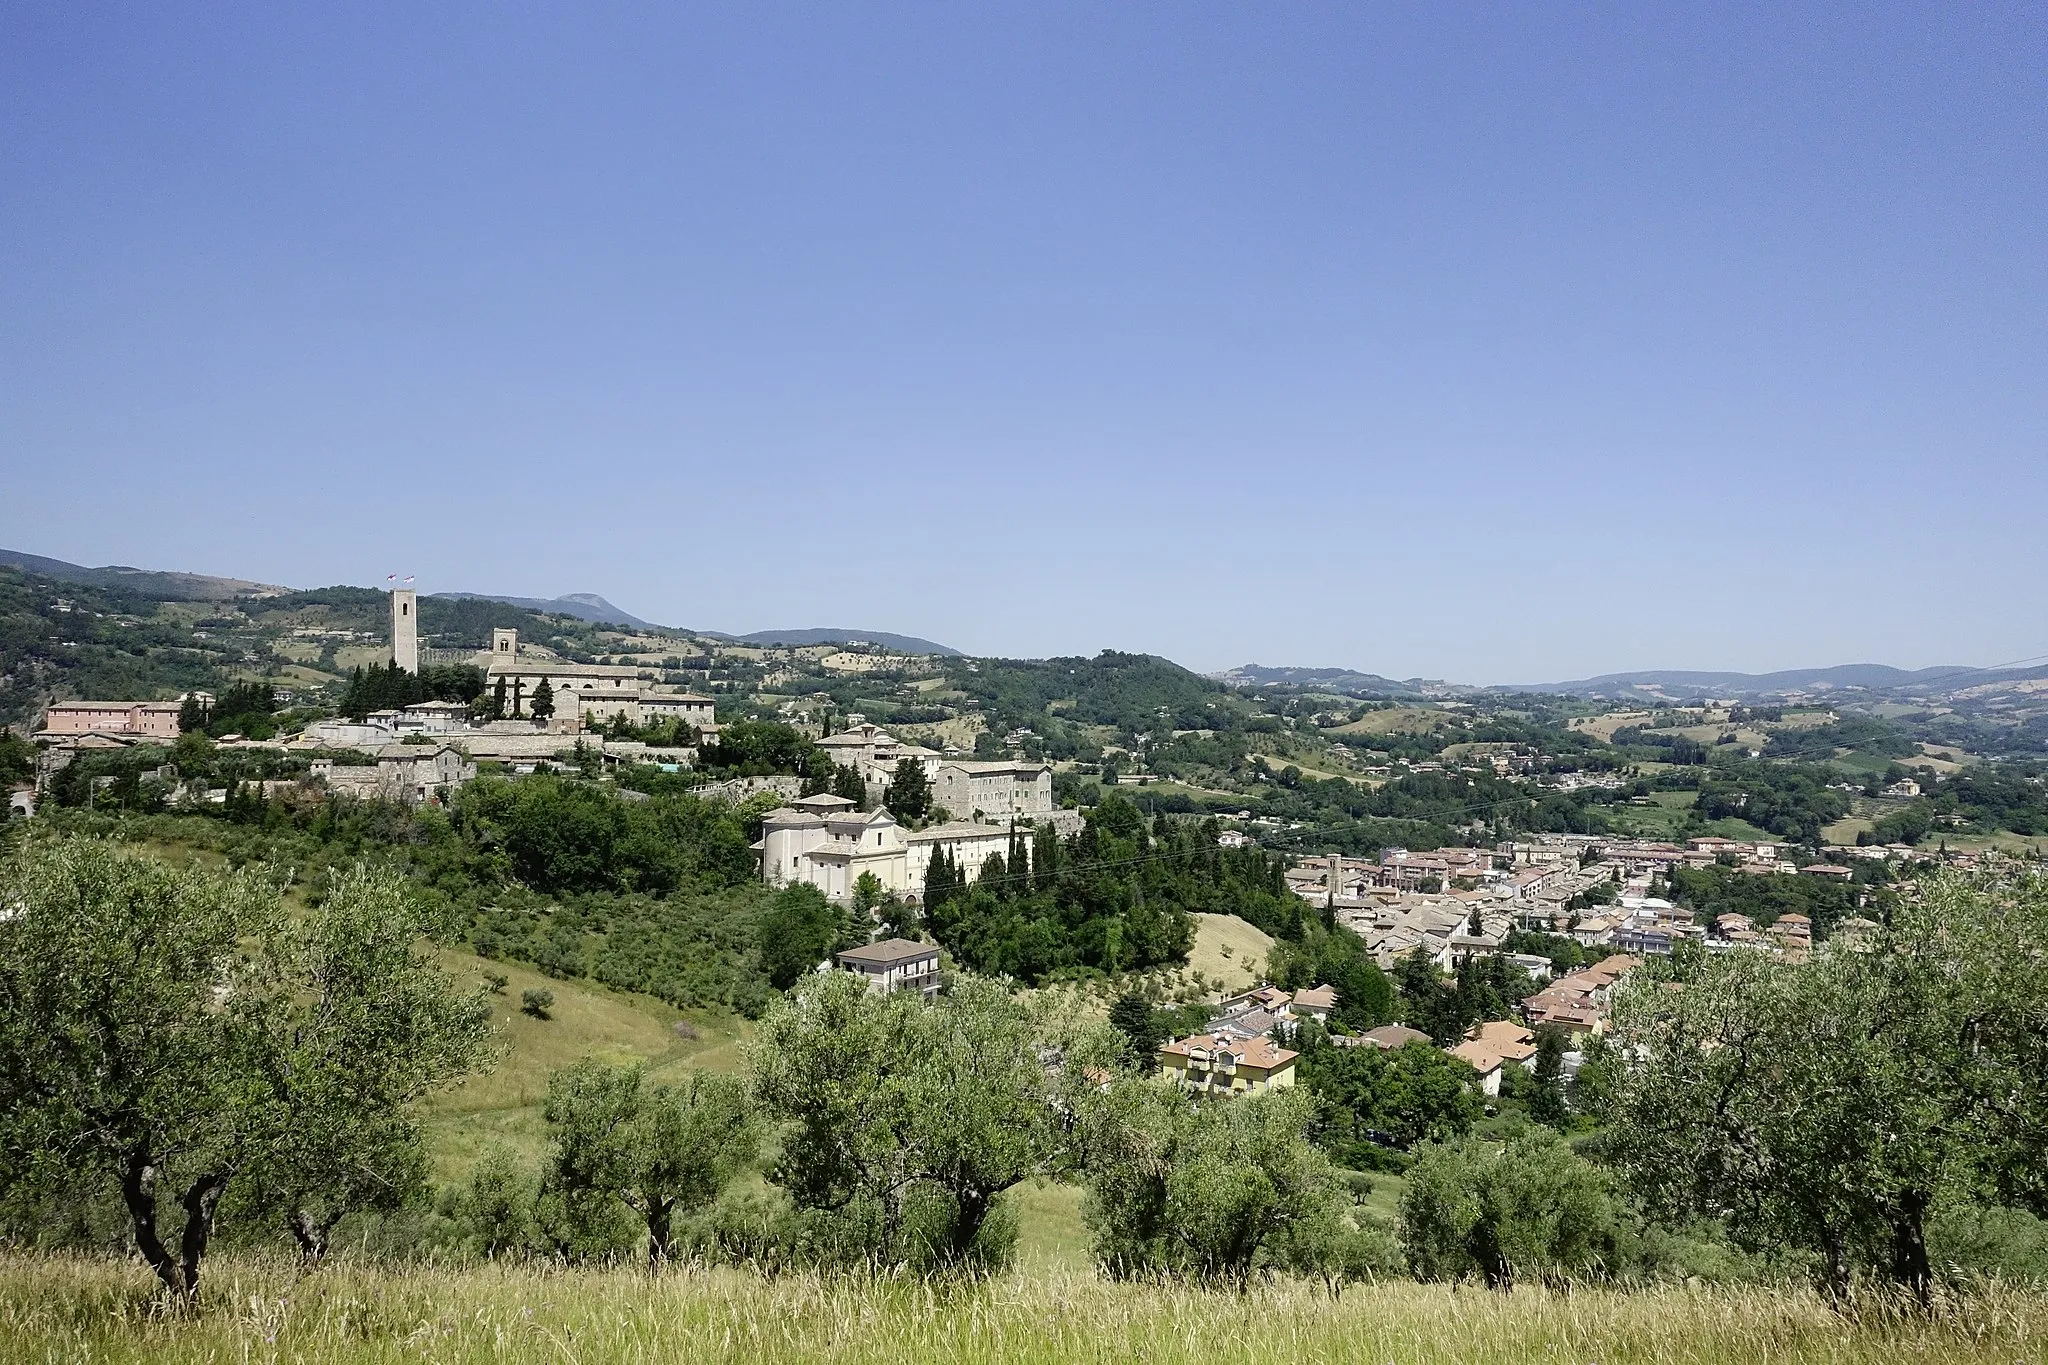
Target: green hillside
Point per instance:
(502, 1107)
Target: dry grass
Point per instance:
(1230, 950)
(1603, 726)
(64, 1309)
(1398, 720)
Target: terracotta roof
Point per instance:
(1510, 1040)
(1479, 1056)
(1263, 1053)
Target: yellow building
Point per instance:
(1219, 1064)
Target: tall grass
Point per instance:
(72, 1309)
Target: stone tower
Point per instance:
(405, 629)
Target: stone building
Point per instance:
(993, 793)
(405, 629)
(969, 844)
(410, 774)
(594, 693)
(826, 842)
(895, 964)
(152, 719)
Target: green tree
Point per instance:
(115, 1064)
(1213, 1192)
(858, 923)
(496, 1210)
(658, 1150)
(908, 1117)
(1335, 957)
(797, 933)
(1835, 1106)
(1546, 1092)
(364, 1025)
(900, 917)
(909, 794)
(1388, 1098)
(847, 782)
(542, 704)
(164, 1027)
(1132, 1016)
(1529, 1207)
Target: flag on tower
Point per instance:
(391, 578)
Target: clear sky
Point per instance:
(1511, 343)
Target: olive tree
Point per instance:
(1216, 1191)
(909, 1118)
(1832, 1106)
(173, 1029)
(118, 1061)
(1530, 1206)
(362, 1025)
(659, 1150)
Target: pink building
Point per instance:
(158, 719)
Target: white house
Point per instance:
(824, 841)
(895, 964)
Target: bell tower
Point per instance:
(405, 629)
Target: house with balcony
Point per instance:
(1218, 1064)
(895, 964)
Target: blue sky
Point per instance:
(1498, 344)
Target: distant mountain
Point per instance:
(1680, 683)
(163, 586)
(1345, 681)
(841, 635)
(587, 606)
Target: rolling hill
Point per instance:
(587, 606)
(154, 583)
(1344, 681)
(842, 635)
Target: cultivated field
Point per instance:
(65, 1309)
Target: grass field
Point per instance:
(1844, 831)
(1399, 720)
(1280, 762)
(502, 1107)
(1603, 726)
(63, 1309)
(1243, 965)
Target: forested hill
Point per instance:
(1343, 681)
(1059, 699)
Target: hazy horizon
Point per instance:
(1494, 347)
